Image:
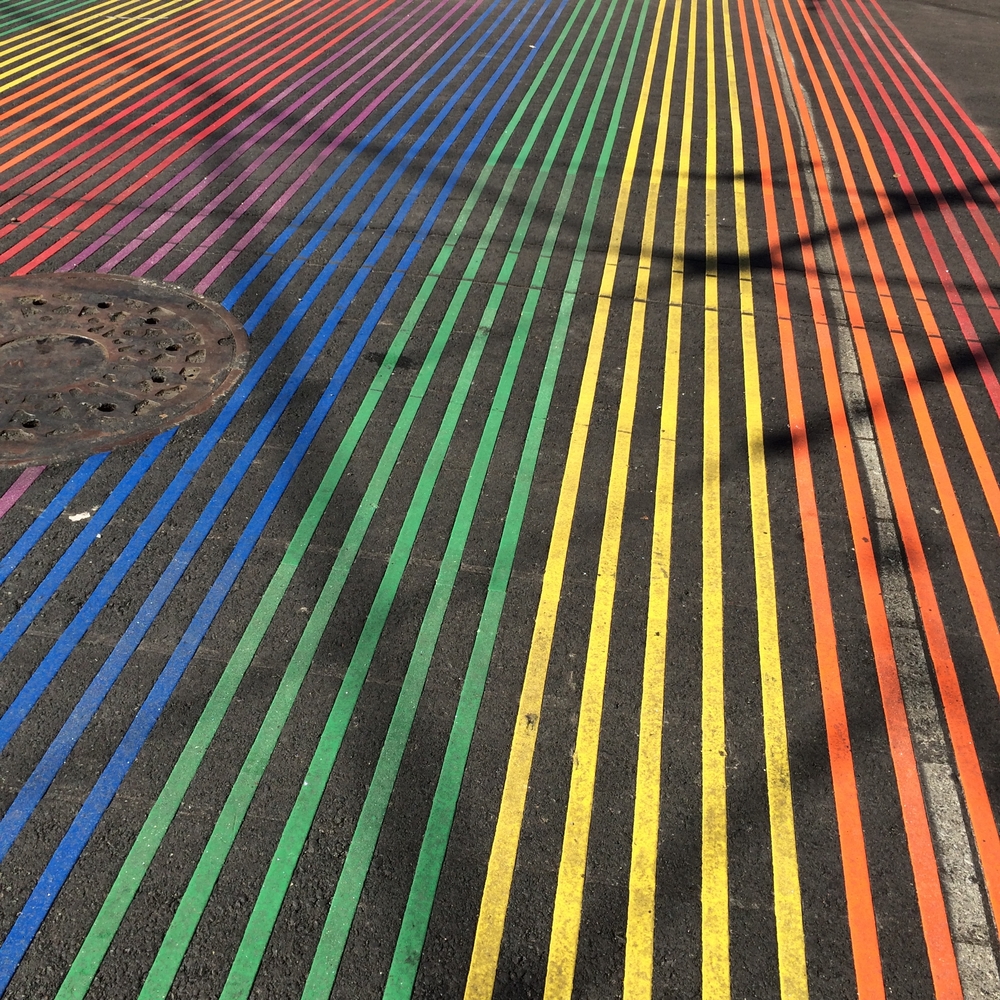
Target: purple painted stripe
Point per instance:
(306, 144)
(208, 153)
(287, 192)
(20, 487)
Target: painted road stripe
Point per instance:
(317, 199)
(283, 39)
(971, 572)
(288, 109)
(220, 588)
(989, 238)
(971, 931)
(409, 944)
(866, 439)
(481, 132)
(980, 812)
(266, 186)
(789, 929)
(58, 869)
(35, 39)
(496, 893)
(279, 339)
(956, 109)
(53, 510)
(715, 968)
(196, 897)
(26, 17)
(639, 940)
(206, 113)
(24, 544)
(159, 817)
(19, 487)
(940, 950)
(857, 881)
(98, 88)
(32, 690)
(361, 850)
(970, 773)
(564, 937)
(155, 518)
(23, 62)
(258, 929)
(194, 167)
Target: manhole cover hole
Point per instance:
(92, 361)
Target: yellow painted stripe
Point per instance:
(566, 915)
(638, 982)
(715, 864)
(66, 39)
(784, 853)
(500, 870)
(60, 27)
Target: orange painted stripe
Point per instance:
(857, 881)
(934, 919)
(290, 59)
(971, 572)
(977, 800)
(88, 92)
(969, 768)
(24, 108)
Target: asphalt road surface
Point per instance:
(590, 589)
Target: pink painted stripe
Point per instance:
(222, 93)
(222, 141)
(157, 101)
(20, 487)
(378, 44)
(289, 192)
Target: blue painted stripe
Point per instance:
(44, 521)
(18, 625)
(23, 544)
(76, 838)
(300, 219)
(44, 772)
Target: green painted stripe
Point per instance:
(358, 861)
(265, 913)
(133, 870)
(122, 892)
(20, 18)
(413, 930)
(196, 896)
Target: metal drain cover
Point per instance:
(89, 362)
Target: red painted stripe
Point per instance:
(267, 38)
(267, 56)
(151, 48)
(165, 162)
(421, 43)
(916, 150)
(876, 47)
(957, 108)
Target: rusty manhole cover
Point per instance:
(92, 361)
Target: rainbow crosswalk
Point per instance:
(589, 590)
